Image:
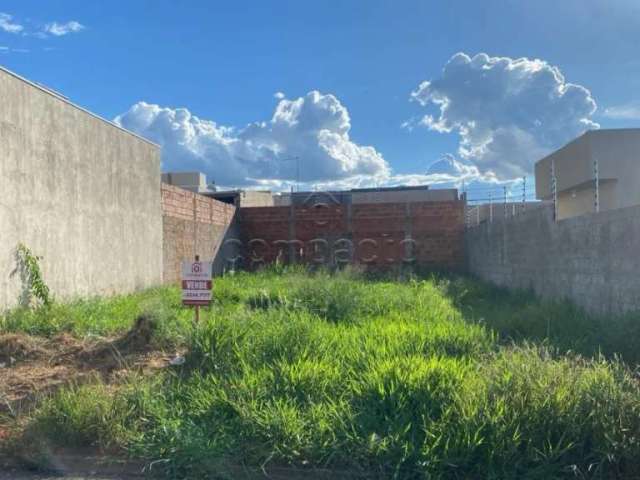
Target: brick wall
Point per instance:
(192, 224)
(428, 234)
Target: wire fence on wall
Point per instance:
(489, 203)
(486, 203)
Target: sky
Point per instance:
(340, 94)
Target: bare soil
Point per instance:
(34, 366)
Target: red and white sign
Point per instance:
(196, 283)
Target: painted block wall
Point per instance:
(79, 191)
(592, 260)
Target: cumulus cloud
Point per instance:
(60, 29)
(508, 112)
(623, 112)
(279, 95)
(8, 25)
(309, 135)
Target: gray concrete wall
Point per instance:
(591, 260)
(78, 190)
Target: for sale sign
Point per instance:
(196, 283)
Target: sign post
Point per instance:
(196, 284)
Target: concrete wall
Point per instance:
(592, 260)
(255, 198)
(193, 224)
(484, 212)
(428, 234)
(78, 190)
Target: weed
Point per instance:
(35, 286)
(431, 378)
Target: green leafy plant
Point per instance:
(32, 275)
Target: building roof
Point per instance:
(391, 189)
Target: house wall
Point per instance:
(193, 225)
(79, 191)
(617, 152)
(429, 234)
(254, 198)
(591, 260)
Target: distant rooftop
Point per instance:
(391, 189)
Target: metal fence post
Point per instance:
(505, 201)
(554, 190)
(524, 194)
(491, 207)
(596, 174)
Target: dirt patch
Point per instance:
(31, 367)
(16, 347)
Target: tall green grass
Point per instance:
(371, 377)
(520, 316)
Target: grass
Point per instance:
(424, 378)
(520, 316)
(103, 316)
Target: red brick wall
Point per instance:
(192, 224)
(378, 235)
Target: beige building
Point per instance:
(611, 156)
(193, 181)
(197, 182)
(244, 198)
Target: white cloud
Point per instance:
(623, 112)
(7, 24)
(446, 172)
(4, 49)
(508, 112)
(310, 131)
(279, 95)
(60, 29)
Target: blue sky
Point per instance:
(206, 70)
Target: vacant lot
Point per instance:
(354, 376)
